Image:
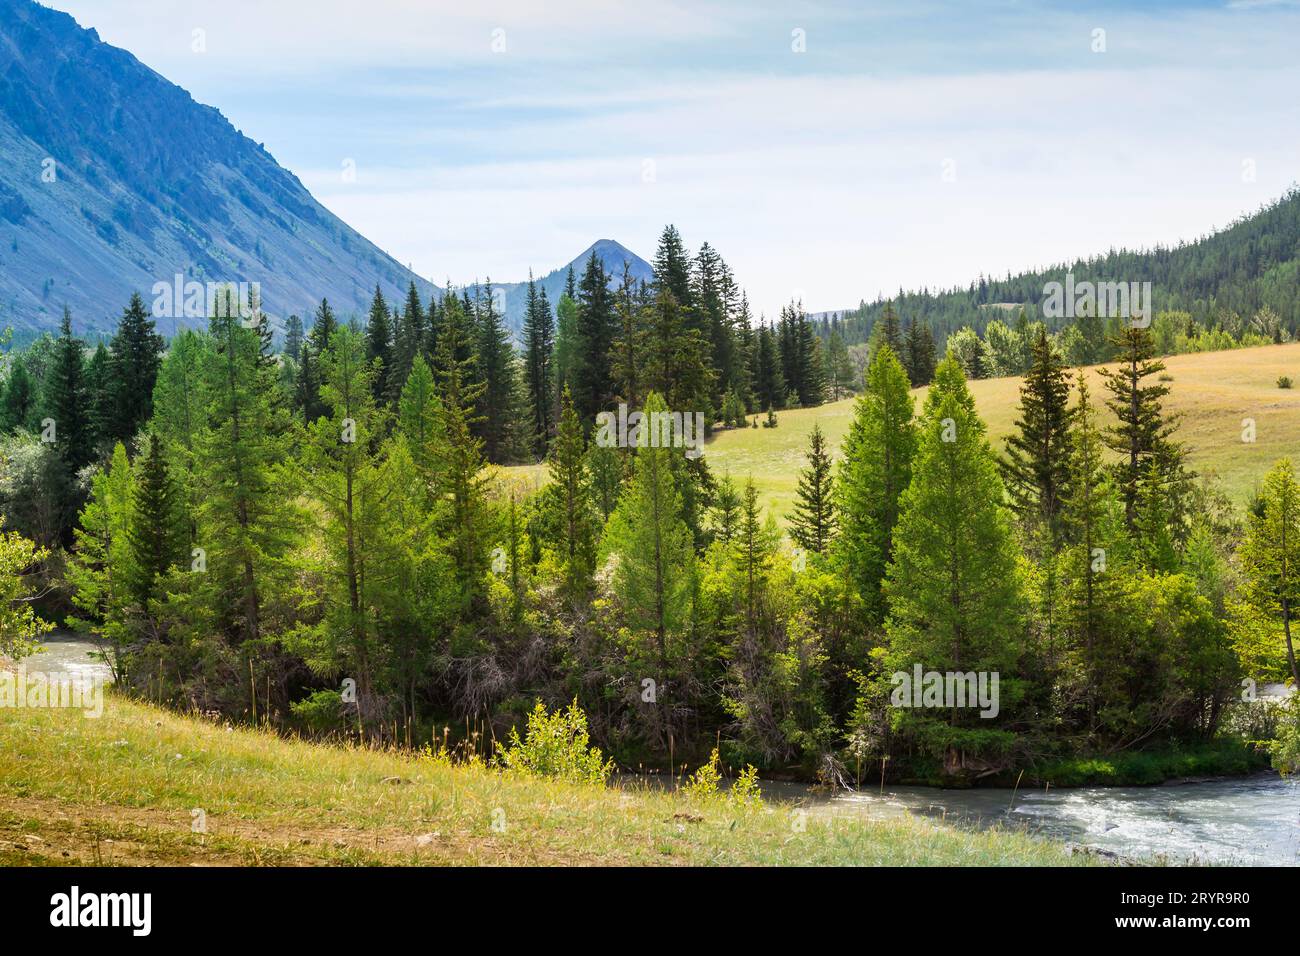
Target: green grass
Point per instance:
(120, 790)
(1221, 758)
(1212, 391)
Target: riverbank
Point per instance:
(140, 784)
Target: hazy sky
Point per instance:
(830, 151)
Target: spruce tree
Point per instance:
(1142, 430)
(379, 346)
(569, 474)
(539, 346)
(496, 362)
(591, 382)
(65, 399)
(293, 337)
(1037, 454)
(158, 531)
(136, 355)
(19, 400)
(813, 522)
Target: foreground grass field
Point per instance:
(126, 789)
(1213, 391)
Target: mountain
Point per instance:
(1251, 265)
(611, 255)
(115, 179)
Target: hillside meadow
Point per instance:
(1212, 391)
(123, 789)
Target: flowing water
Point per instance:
(1240, 820)
(65, 652)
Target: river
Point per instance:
(1240, 820)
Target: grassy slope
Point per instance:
(119, 790)
(1213, 391)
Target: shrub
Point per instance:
(319, 713)
(1285, 750)
(703, 785)
(556, 745)
(1283, 381)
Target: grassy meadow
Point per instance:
(1212, 391)
(123, 788)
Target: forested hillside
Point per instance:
(1223, 280)
(317, 538)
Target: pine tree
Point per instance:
(1091, 560)
(769, 387)
(1142, 430)
(539, 346)
(672, 268)
(954, 586)
(158, 531)
(672, 359)
(293, 337)
(812, 524)
(379, 346)
(65, 399)
(890, 332)
(345, 477)
(459, 456)
(16, 410)
(726, 510)
(247, 522)
(136, 355)
(100, 572)
(569, 474)
(420, 420)
(876, 470)
(496, 363)
(591, 382)
(1037, 463)
(653, 577)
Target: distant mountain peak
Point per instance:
(116, 180)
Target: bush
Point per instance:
(1283, 381)
(556, 745)
(319, 713)
(1285, 750)
(703, 785)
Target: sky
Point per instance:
(831, 152)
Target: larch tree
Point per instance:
(875, 471)
(813, 521)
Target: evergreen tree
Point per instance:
(673, 357)
(672, 268)
(247, 522)
(954, 585)
(158, 530)
(1037, 463)
(293, 337)
(65, 399)
(1142, 430)
(769, 385)
(568, 472)
(539, 346)
(136, 355)
(19, 403)
(496, 363)
(379, 346)
(459, 456)
(591, 382)
(1270, 554)
(653, 577)
(876, 470)
(812, 525)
